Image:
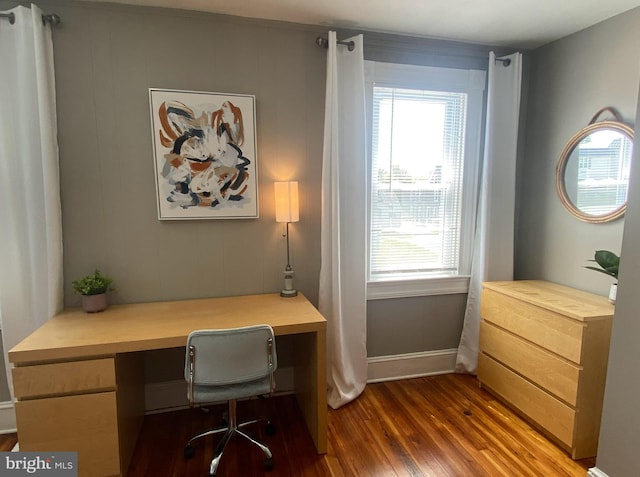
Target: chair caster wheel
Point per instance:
(189, 451)
(270, 429)
(268, 463)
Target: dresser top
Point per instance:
(567, 301)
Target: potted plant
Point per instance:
(608, 263)
(93, 289)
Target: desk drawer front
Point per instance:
(554, 374)
(86, 424)
(60, 379)
(548, 412)
(552, 331)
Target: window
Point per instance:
(425, 126)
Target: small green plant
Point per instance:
(608, 261)
(94, 284)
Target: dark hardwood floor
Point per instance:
(440, 426)
(7, 442)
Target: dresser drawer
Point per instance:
(59, 379)
(554, 374)
(550, 330)
(546, 411)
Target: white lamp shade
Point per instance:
(287, 209)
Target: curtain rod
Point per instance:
(505, 61)
(324, 43)
(52, 18)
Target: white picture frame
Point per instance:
(205, 154)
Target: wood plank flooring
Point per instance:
(440, 426)
(7, 442)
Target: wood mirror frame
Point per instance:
(567, 154)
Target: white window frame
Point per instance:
(473, 83)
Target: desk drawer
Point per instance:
(554, 374)
(548, 412)
(552, 331)
(86, 424)
(60, 379)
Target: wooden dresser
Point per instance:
(544, 351)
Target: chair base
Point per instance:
(230, 430)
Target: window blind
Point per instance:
(418, 139)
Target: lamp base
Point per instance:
(289, 293)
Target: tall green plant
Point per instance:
(608, 261)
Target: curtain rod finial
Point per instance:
(52, 18)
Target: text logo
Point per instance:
(49, 464)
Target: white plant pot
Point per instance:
(94, 303)
(613, 291)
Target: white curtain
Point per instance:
(342, 294)
(31, 232)
(493, 242)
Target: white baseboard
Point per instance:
(595, 472)
(7, 418)
(411, 365)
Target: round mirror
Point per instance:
(592, 175)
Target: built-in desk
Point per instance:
(79, 380)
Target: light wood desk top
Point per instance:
(74, 334)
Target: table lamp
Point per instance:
(287, 212)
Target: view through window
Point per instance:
(418, 152)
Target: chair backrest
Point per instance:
(230, 356)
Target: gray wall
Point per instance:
(412, 325)
(618, 446)
(570, 80)
(106, 59)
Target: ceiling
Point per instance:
(517, 23)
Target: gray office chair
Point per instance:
(227, 365)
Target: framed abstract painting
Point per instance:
(205, 154)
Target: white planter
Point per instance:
(94, 303)
(613, 291)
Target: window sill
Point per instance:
(381, 290)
